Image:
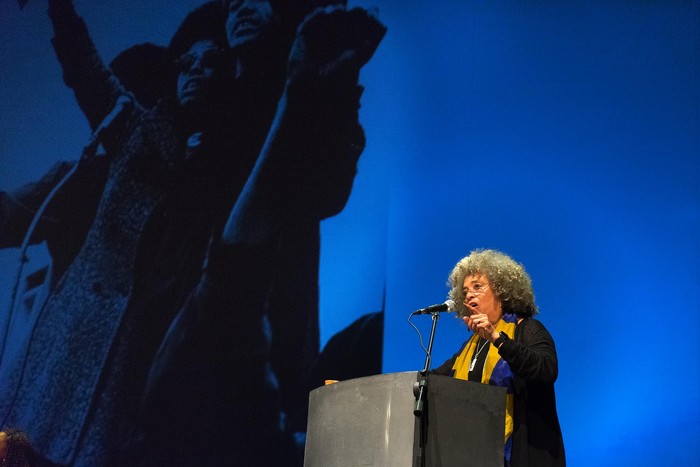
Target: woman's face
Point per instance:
(248, 21)
(198, 70)
(480, 298)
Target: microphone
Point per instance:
(122, 106)
(448, 306)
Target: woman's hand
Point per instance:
(480, 324)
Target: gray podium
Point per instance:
(370, 422)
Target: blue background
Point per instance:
(566, 134)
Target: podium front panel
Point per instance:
(363, 421)
(466, 423)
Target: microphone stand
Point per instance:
(419, 390)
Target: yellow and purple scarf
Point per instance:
(496, 371)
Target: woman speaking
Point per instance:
(511, 349)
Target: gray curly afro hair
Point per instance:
(508, 279)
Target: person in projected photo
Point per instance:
(175, 173)
(508, 348)
(76, 386)
(304, 174)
